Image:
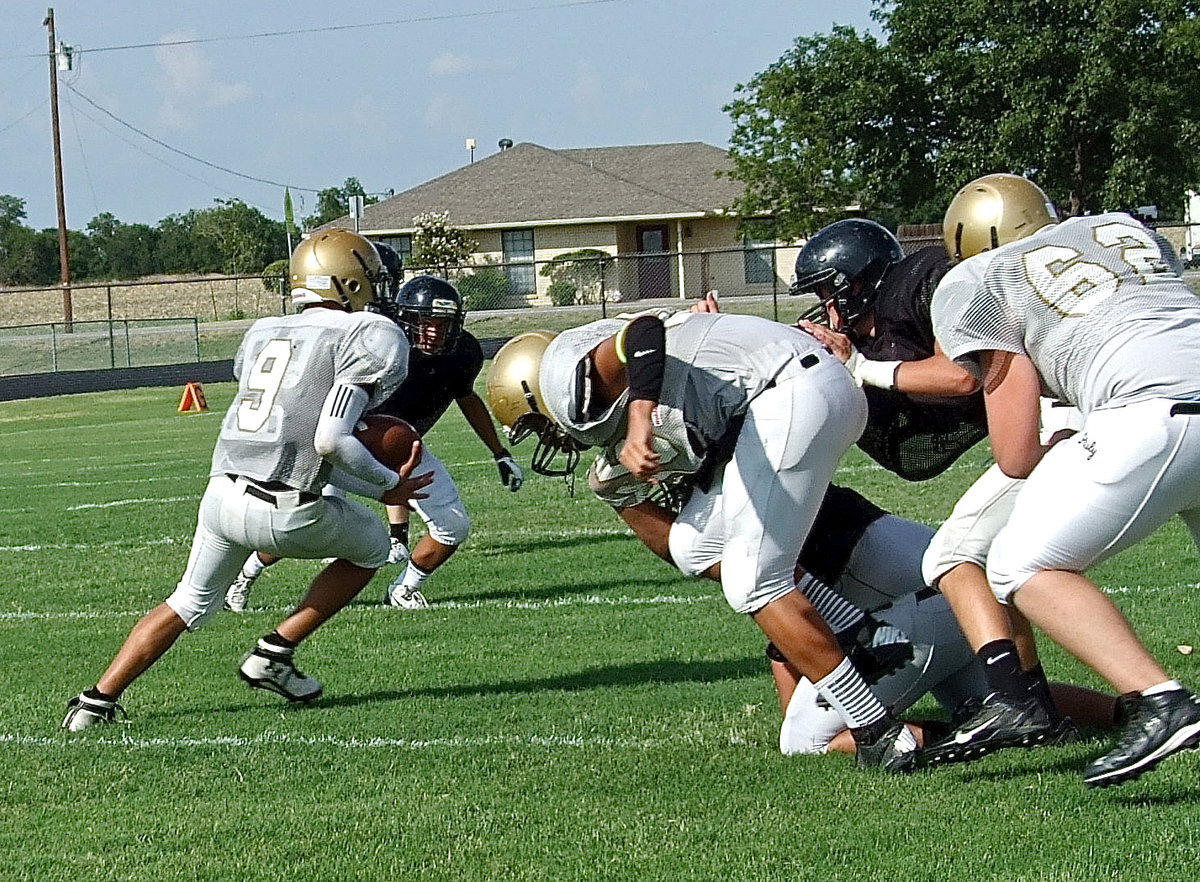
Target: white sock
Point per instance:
(849, 695)
(414, 578)
(1167, 686)
(253, 566)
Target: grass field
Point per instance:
(568, 709)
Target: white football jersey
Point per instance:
(1095, 302)
(285, 368)
(716, 364)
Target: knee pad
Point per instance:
(689, 550)
(451, 526)
(191, 607)
(1005, 573)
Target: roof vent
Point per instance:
(505, 144)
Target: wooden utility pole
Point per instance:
(63, 258)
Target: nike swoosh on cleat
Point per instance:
(965, 737)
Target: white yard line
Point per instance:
(497, 603)
(479, 542)
(127, 742)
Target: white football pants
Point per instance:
(1100, 492)
(233, 523)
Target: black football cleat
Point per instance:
(886, 745)
(999, 722)
(1157, 727)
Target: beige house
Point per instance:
(661, 210)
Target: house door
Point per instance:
(654, 266)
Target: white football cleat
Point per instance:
(398, 554)
(84, 712)
(238, 594)
(404, 598)
(270, 668)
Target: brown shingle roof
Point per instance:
(529, 183)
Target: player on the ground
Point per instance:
(1093, 310)
(303, 382)
(443, 363)
(925, 411)
(763, 405)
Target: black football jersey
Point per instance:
(914, 437)
(434, 381)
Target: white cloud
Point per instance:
(446, 113)
(450, 64)
(190, 84)
(587, 93)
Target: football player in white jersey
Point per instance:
(775, 409)
(925, 411)
(303, 382)
(1093, 312)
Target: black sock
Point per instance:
(1039, 689)
(277, 639)
(1002, 668)
(96, 695)
(399, 531)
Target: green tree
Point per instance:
(245, 238)
(334, 202)
(119, 251)
(182, 250)
(28, 257)
(12, 211)
(1094, 99)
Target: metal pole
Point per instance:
(64, 261)
(112, 343)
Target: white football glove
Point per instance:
(511, 474)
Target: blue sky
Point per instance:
(391, 104)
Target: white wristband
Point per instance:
(881, 374)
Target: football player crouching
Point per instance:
(716, 384)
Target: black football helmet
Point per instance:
(393, 270)
(844, 263)
(431, 312)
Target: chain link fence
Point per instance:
(116, 324)
(91, 345)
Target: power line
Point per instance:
(184, 153)
(331, 28)
(169, 165)
(25, 115)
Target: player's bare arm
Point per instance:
(936, 375)
(1011, 396)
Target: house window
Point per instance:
(758, 256)
(403, 246)
(518, 261)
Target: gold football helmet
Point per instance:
(992, 211)
(515, 398)
(336, 265)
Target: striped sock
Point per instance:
(848, 694)
(837, 611)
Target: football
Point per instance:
(389, 439)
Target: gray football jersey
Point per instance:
(716, 364)
(1095, 302)
(285, 368)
